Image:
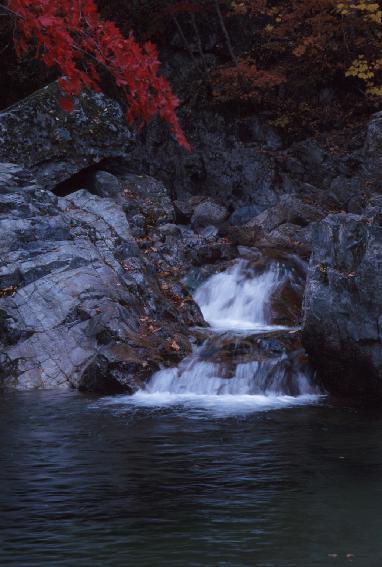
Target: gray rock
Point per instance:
(79, 306)
(105, 184)
(221, 165)
(183, 209)
(282, 237)
(169, 230)
(242, 215)
(145, 195)
(54, 144)
(208, 213)
(291, 210)
(343, 305)
(373, 147)
(251, 253)
(210, 232)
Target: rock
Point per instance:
(183, 210)
(148, 196)
(250, 253)
(284, 236)
(104, 184)
(210, 232)
(227, 160)
(79, 305)
(170, 230)
(343, 305)
(290, 210)
(373, 148)
(54, 144)
(207, 213)
(242, 215)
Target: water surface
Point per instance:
(102, 482)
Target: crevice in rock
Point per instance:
(81, 180)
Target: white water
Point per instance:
(236, 300)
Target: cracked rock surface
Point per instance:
(79, 305)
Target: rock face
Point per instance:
(373, 148)
(343, 304)
(55, 144)
(220, 164)
(79, 305)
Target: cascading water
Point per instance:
(244, 360)
(236, 299)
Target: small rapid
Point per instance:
(237, 299)
(243, 363)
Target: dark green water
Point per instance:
(85, 483)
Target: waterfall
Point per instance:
(195, 376)
(238, 299)
(243, 358)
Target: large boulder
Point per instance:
(55, 144)
(343, 304)
(79, 305)
(208, 212)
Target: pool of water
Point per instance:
(110, 482)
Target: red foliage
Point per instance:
(310, 63)
(244, 81)
(72, 37)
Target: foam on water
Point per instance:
(197, 405)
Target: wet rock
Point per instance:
(54, 144)
(343, 304)
(277, 359)
(79, 304)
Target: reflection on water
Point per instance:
(86, 482)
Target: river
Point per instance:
(235, 462)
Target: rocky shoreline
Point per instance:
(103, 239)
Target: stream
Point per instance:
(233, 459)
(242, 364)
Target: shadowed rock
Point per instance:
(54, 144)
(343, 305)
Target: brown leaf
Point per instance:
(8, 291)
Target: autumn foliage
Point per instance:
(72, 37)
(304, 46)
(291, 55)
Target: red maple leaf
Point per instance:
(72, 37)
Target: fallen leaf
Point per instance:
(174, 345)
